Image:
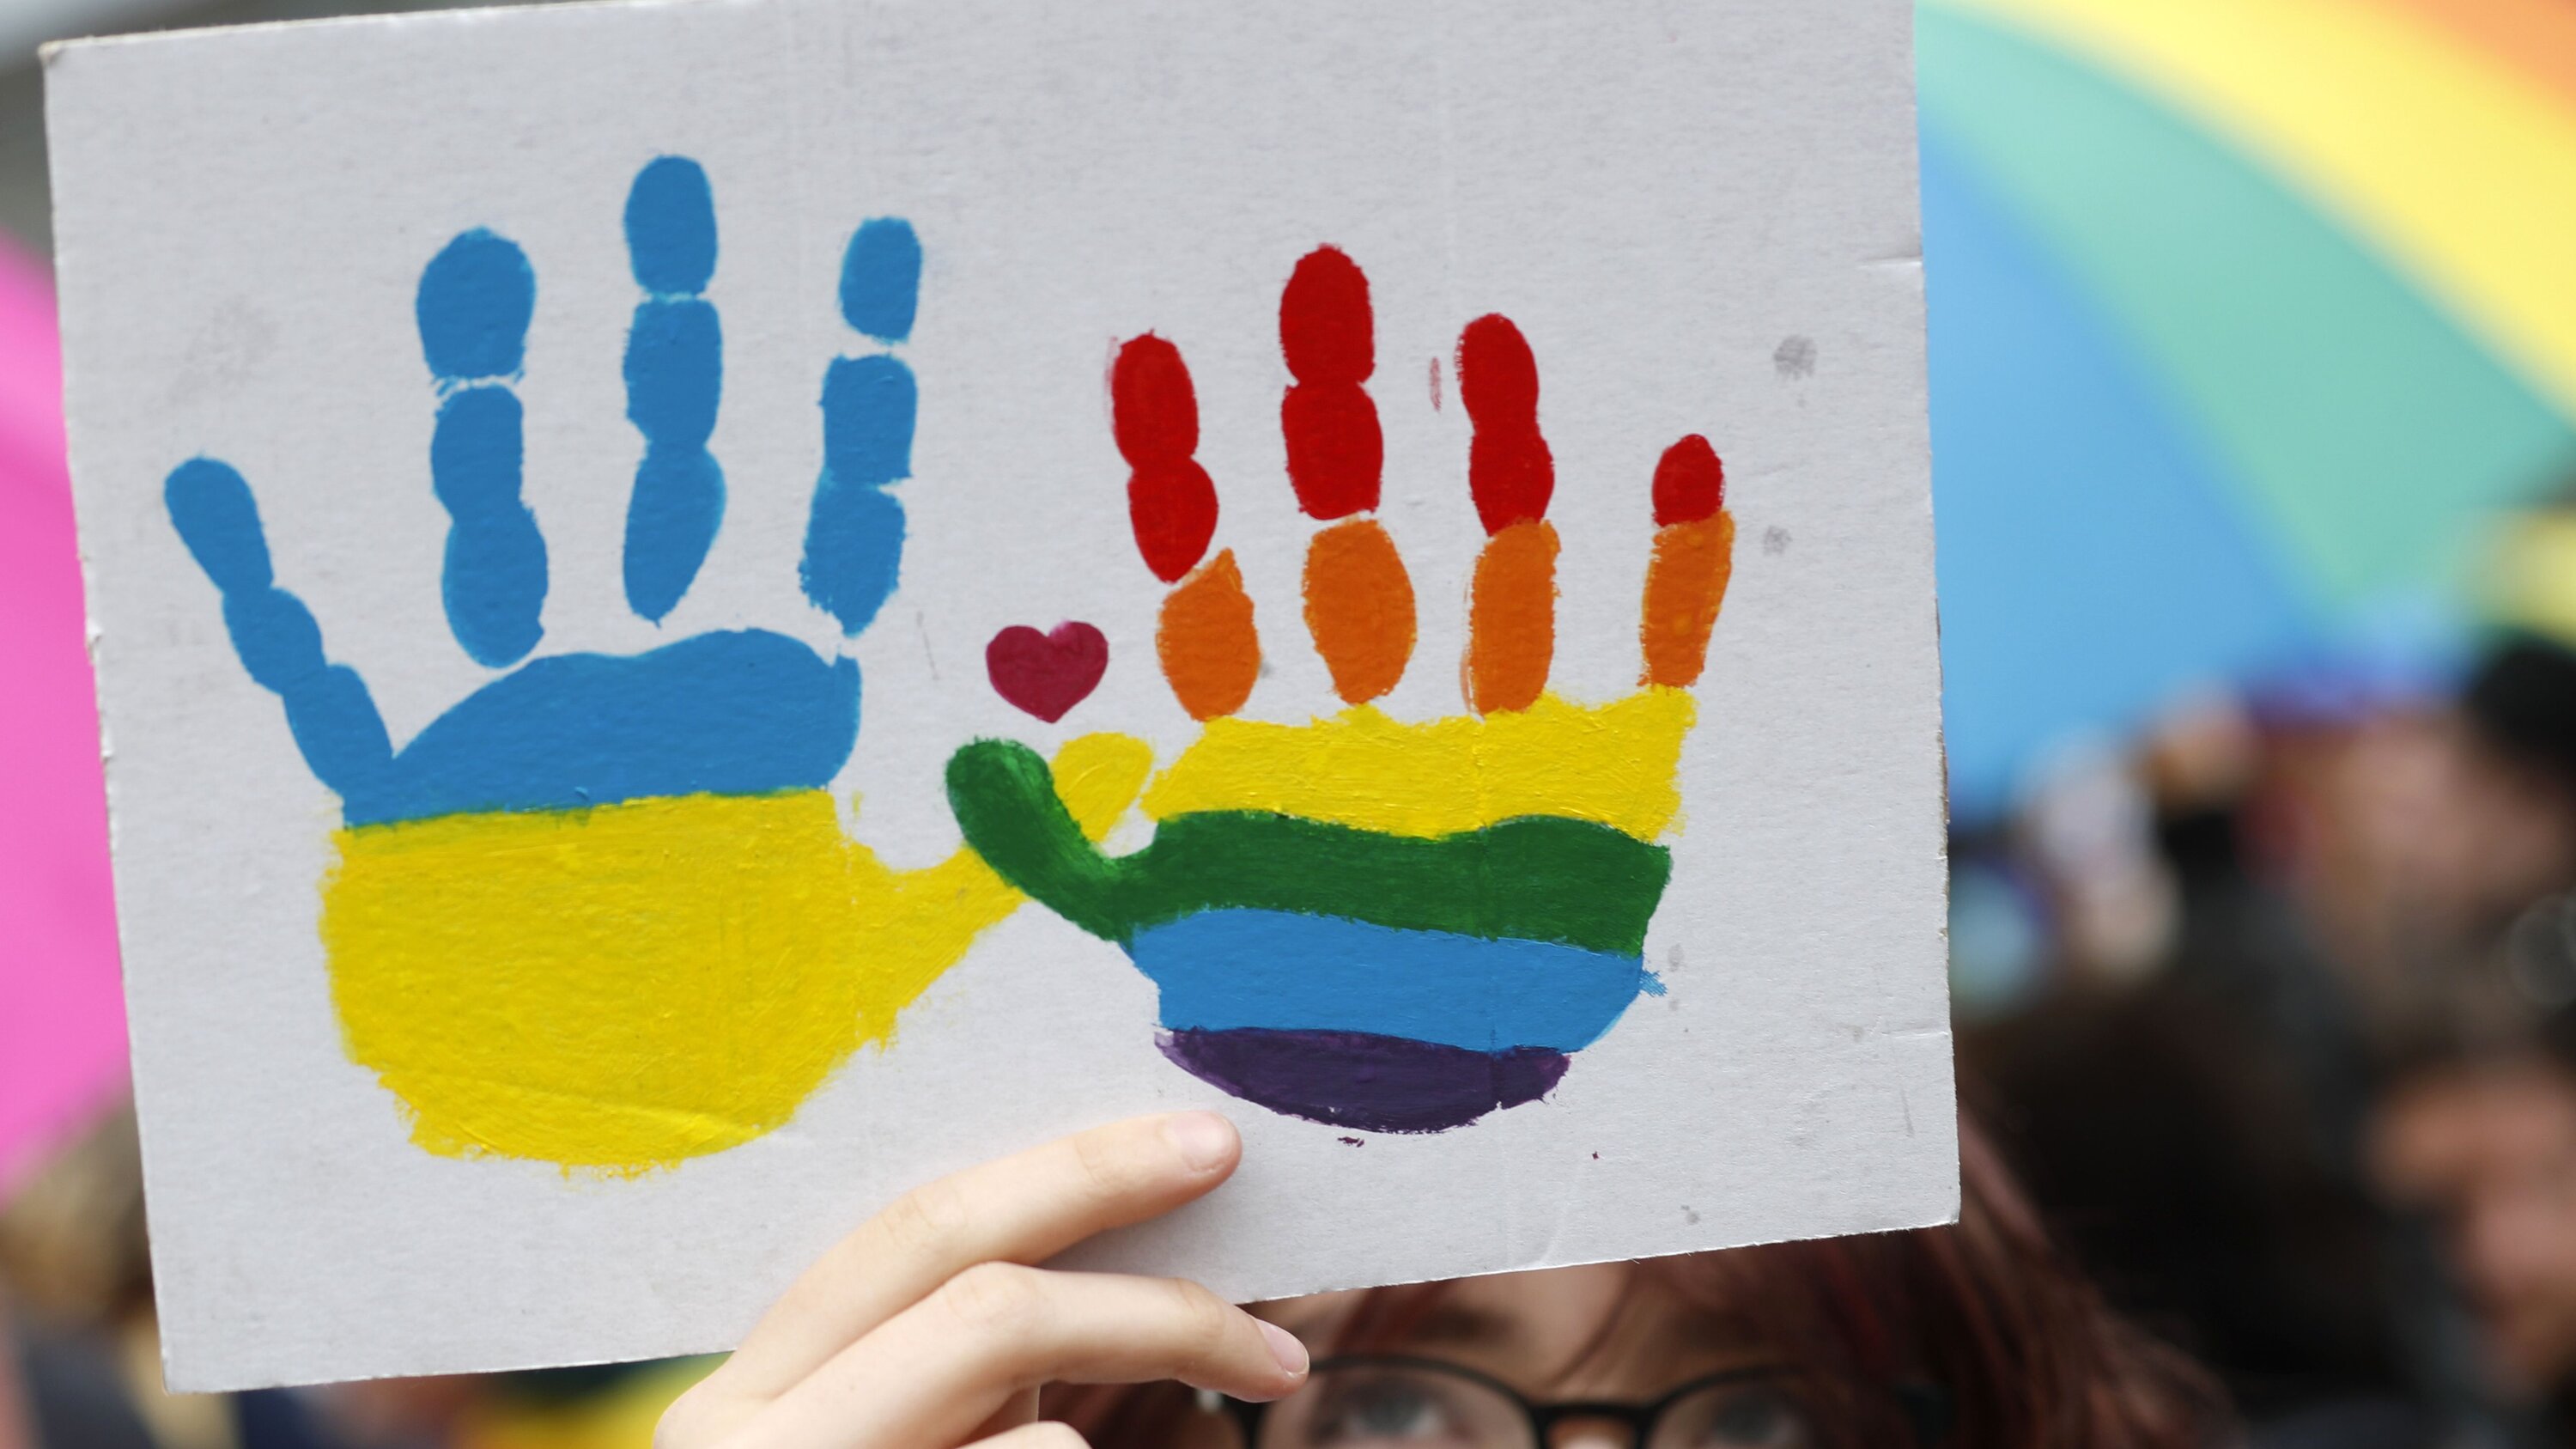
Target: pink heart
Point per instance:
(1047, 674)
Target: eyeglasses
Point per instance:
(1381, 1401)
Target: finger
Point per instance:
(1511, 618)
(1209, 646)
(1693, 557)
(1359, 608)
(1011, 810)
(333, 717)
(1020, 1209)
(472, 307)
(1359, 600)
(1511, 610)
(881, 279)
(674, 381)
(1041, 1434)
(854, 535)
(1154, 416)
(939, 1368)
(1336, 451)
(1017, 1409)
(1099, 776)
(1509, 468)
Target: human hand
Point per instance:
(931, 1326)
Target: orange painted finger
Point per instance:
(1694, 555)
(1511, 618)
(1685, 587)
(1359, 607)
(1210, 651)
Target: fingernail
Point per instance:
(1203, 1138)
(1285, 1347)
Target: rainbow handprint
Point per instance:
(602, 911)
(1376, 924)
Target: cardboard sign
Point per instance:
(706, 611)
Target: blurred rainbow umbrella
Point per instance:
(2248, 316)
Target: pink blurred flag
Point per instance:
(62, 1014)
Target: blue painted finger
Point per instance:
(881, 278)
(473, 306)
(474, 302)
(679, 499)
(854, 538)
(328, 709)
(869, 406)
(495, 580)
(853, 552)
(674, 371)
(674, 383)
(671, 226)
(212, 508)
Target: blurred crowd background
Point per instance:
(2254, 412)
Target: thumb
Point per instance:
(1008, 807)
(1099, 776)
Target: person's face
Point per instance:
(1543, 1332)
(2492, 1154)
(2455, 832)
(1606, 1333)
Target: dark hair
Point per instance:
(2522, 699)
(1987, 1310)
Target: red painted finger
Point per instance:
(1336, 451)
(1172, 507)
(1154, 414)
(1690, 482)
(1509, 468)
(1153, 410)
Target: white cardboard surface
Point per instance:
(1702, 215)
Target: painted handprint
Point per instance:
(602, 911)
(1377, 924)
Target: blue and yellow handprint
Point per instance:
(602, 912)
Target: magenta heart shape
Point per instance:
(1047, 674)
